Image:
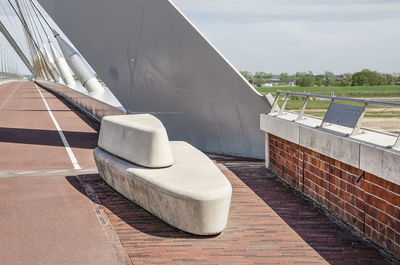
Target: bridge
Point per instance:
(304, 189)
(57, 210)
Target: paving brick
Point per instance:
(268, 223)
(360, 202)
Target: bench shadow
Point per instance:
(337, 244)
(85, 140)
(127, 211)
(334, 243)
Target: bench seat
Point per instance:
(192, 194)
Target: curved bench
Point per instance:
(192, 194)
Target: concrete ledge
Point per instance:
(6, 81)
(286, 130)
(355, 151)
(140, 139)
(329, 144)
(192, 194)
(94, 108)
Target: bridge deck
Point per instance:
(55, 210)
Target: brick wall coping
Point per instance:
(367, 151)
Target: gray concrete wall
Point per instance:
(155, 61)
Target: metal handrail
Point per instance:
(356, 129)
(339, 98)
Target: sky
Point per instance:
(299, 35)
(10, 21)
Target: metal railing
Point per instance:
(356, 128)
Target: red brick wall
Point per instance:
(371, 205)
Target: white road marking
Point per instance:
(42, 173)
(60, 132)
(10, 96)
(54, 171)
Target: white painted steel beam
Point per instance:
(79, 67)
(63, 67)
(53, 68)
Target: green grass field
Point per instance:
(350, 91)
(319, 107)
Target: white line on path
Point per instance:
(10, 96)
(60, 132)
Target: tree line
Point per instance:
(5, 75)
(365, 77)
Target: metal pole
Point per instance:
(303, 109)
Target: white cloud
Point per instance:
(297, 35)
(290, 36)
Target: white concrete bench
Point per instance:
(192, 194)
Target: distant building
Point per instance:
(340, 77)
(273, 82)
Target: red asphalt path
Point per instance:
(43, 218)
(29, 139)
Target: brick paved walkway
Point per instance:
(268, 224)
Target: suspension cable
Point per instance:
(40, 12)
(38, 19)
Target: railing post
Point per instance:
(397, 143)
(281, 111)
(275, 104)
(303, 109)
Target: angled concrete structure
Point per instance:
(155, 61)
